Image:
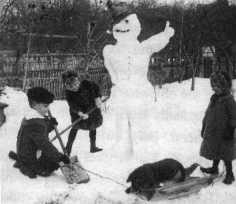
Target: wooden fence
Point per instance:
(51, 80)
(45, 70)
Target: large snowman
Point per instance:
(127, 62)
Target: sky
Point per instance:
(187, 1)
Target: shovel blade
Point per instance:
(74, 172)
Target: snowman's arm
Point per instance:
(156, 42)
(107, 50)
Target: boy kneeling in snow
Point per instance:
(35, 154)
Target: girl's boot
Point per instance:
(229, 178)
(213, 169)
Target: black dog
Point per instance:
(147, 177)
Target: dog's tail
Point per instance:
(190, 170)
(12, 155)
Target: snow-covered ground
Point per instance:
(173, 130)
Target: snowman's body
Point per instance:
(131, 87)
(127, 62)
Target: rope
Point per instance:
(104, 177)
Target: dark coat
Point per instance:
(218, 127)
(84, 100)
(33, 136)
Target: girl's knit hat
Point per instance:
(221, 79)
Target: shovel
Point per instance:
(73, 172)
(58, 134)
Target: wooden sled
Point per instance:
(191, 185)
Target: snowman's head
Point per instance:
(128, 28)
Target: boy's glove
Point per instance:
(65, 159)
(53, 121)
(84, 116)
(98, 102)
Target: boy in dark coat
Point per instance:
(82, 97)
(218, 126)
(35, 154)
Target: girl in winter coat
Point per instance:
(218, 126)
(82, 96)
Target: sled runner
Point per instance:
(73, 172)
(190, 186)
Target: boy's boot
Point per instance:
(229, 178)
(213, 169)
(71, 139)
(92, 136)
(13, 155)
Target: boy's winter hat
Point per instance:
(67, 76)
(40, 95)
(221, 79)
(118, 11)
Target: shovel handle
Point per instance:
(58, 135)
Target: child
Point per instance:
(35, 154)
(82, 97)
(218, 126)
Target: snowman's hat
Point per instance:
(118, 11)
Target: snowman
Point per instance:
(127, 62)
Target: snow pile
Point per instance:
(172, 131)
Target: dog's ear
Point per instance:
(133, 175)
(130, 177)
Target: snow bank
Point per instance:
(172, 131)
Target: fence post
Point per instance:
(27, 63)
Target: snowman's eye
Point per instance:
(126, 21)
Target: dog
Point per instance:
(147, 177)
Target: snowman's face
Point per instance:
(127, 28)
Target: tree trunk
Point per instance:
(155, 92)
(193, 77)
(195, 67)
(27, 63)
